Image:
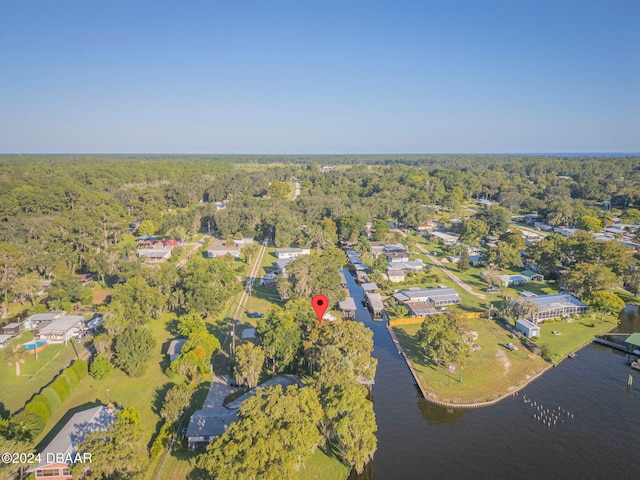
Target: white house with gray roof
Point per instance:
(557, 305)
(61, 329)
(54, 458)
(439, 297)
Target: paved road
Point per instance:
(218, 391)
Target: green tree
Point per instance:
(276, 432)
(589, 223)
(349, 422)
(606, 302)
(147, 228)
(176, 400)
(381, 228)
(472, 229)
(249, 362)
(134, 348)
(9, 269)
(139, 299)
(26, 287)
(585, 278)
(118, 452)
(279, 190)
(443, 337)
(191, 324)
(100, 367)
(280, 338)
(465, 261)
(15, 355)
(350, 227)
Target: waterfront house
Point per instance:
(56, 458)
(439, 297)
(557, 305)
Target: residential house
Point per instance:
(565, 231)
(155, 254)
(61, 329)
(292, 252)
(173, 352)
(40, 318)
(396, 276)
(213, 420)
(280, 266)
(221, 251)
(57, 457)
(527, 328)
(555, 306)
(543, 226)
(439, 297)
(445, 238)
(397, 256)
(243, 242)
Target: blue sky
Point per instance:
(319, 76)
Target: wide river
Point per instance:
(578, 421)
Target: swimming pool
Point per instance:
(33, 345)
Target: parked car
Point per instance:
(512, 347)
(255, 314)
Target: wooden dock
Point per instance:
(614, 345)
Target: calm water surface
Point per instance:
(596, 435)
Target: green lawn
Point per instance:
(572, 335)
(144, 393)
(488, 374)
(494, 371)
(34, 374)
(323, 467)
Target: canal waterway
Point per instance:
(578, 421)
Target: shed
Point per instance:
(535, 277)
(11, 329)
(174, 348)
(527, 328)
(4, 340)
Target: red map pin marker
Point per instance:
(320, 303)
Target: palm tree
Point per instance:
(16, 356)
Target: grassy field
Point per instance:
(144, 393)
(488, 374)
(494, 371)
(34, 374)
(323, 467)
(572, 335)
